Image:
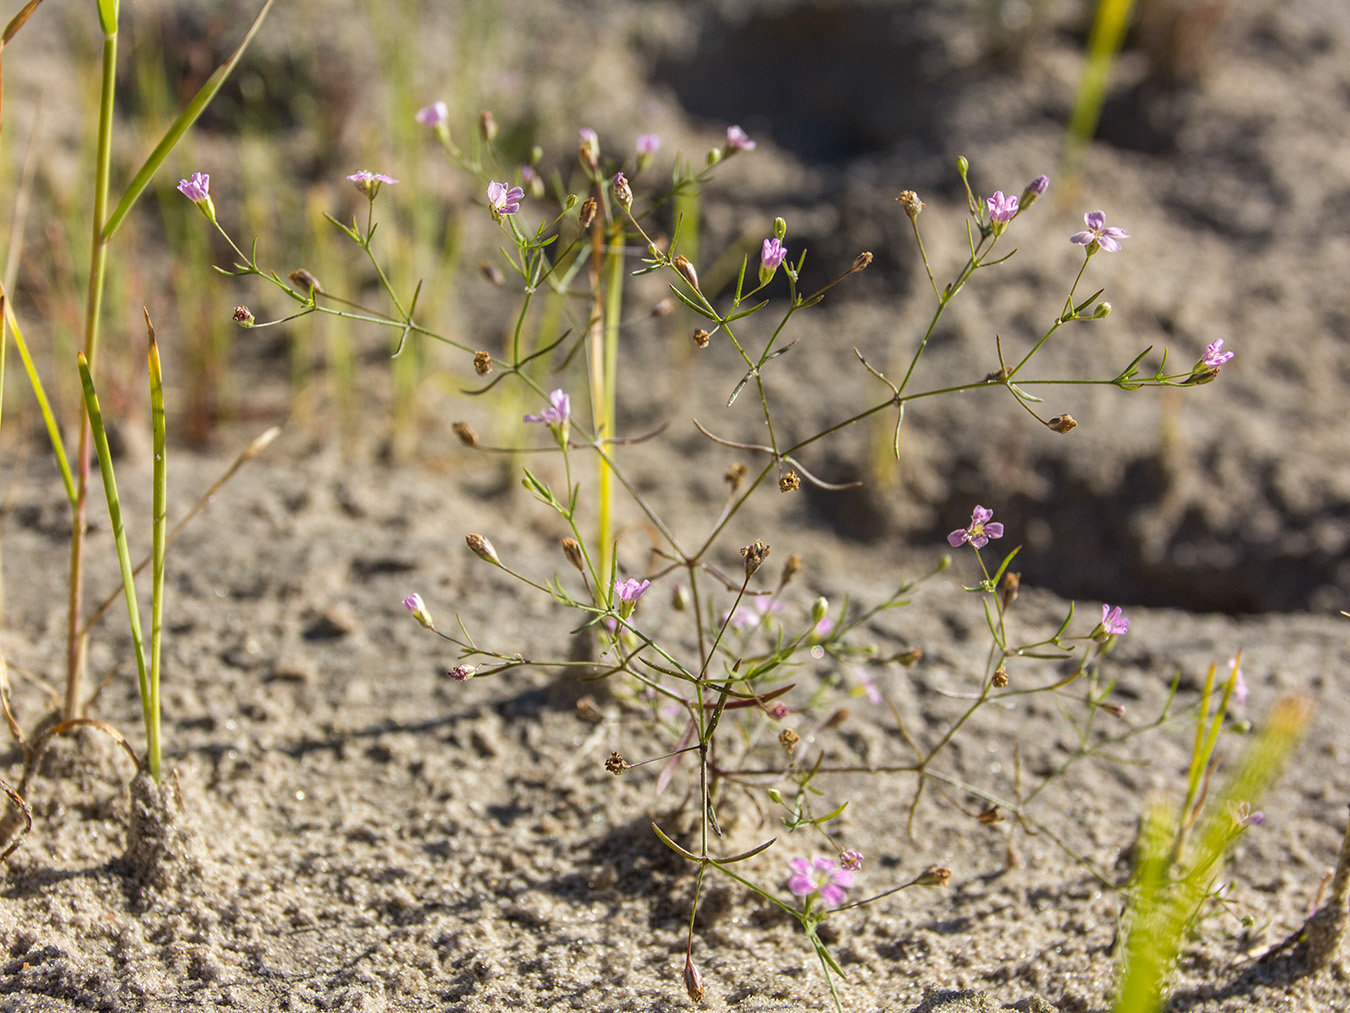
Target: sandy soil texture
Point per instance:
(348, 829)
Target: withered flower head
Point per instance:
(755, 555)
(616, 764)
(1063, 423)
(243, 316)
(911, 657)
(791, 568)
(860, 262)
(990, 816)
(934, 875)
(736, 475)
(701, 337)
(587, 213)
(482, 363)
(788, 739)
(466, 434)
(909, 200)
(487, 125)
(790, 482)
(1000, 678)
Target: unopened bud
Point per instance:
(791, 568)
(414, 604)
(466, 434)
(1102, 311)
(663, 308)
(616, 764)
(909, 200)
(491, 272)
(1062, 423)
(587, 710)
(701, 337)
(1114, 709)
(487, 126)
(572, 550)
(820, 608)
(483, 549)
(911, 657)
(693, 979)
(587, 213)
(736, 475)
(780, 229)
(679, 598)
(482, 363)
(243, 316)
(837, 719)
(1008, 592)
(790, 482)
(1036, 188)
(687, 271)
(623, 192)
(754, 554)
(306, 281)
(462, 673)
(934, 875)
(860, 262)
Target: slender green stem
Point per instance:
(159, 530)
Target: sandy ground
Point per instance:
(356, 831)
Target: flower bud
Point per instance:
(679, 598)
(791, 568)
(483, 549)
(820, 608)
(623, 192)
(587, 213)
(934, 875)
(465, 433)
(693, 979)
(1102, 311)
(306, 282)
(414, 604)
(1008, 591)
(487, 126)
(491, 272)
(572, 550)
(243, 316)
(775, 796)
(687, 271)
(779, 229)
(462, 673)
(1036, 188)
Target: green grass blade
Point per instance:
(1108, 32)
(107, 15)
(100, 435)
(158, 538)
(48, 418)
(179, 127)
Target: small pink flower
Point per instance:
(1099, 234)
(1001, 208)
(1215, 356)
(647, 144)
(414, 604)
(435, 115)
(1114, 622)
(778, 711)
(369, 183)
(558, 414)
(820, 877)
(982, 528)
(504, 200)
(1239, 683)
(738, 140)
(461, 673)
(850, 860)
(632, 589)
(196, 188)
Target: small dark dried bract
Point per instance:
(466, 434)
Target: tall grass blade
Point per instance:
(44, 406)
(158, 531)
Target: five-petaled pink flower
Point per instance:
(558, 414)
(1001, 207)
(738, 140)
(369, 183)
(982, 528)
(1215, 356)
(631, 590)
(1099, 234)
(819, 876)
(1114, 621)
(504, 200)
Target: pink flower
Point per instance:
(1114, 622)
(1001, 207)
(980, 531)
(435, 115)
(772, 254)
(647, 144)
(556, 415)
(504, 200)
(414, 604)
(197, 188)
(820, 877)
(738, 140)
(850, 860)
(630, 590)
(1215, 356)
(1099, 234)
(369, 182)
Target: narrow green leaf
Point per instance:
(179, 126)
(158, 539)
(751, 853)
(44, 406)
(673, 846)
